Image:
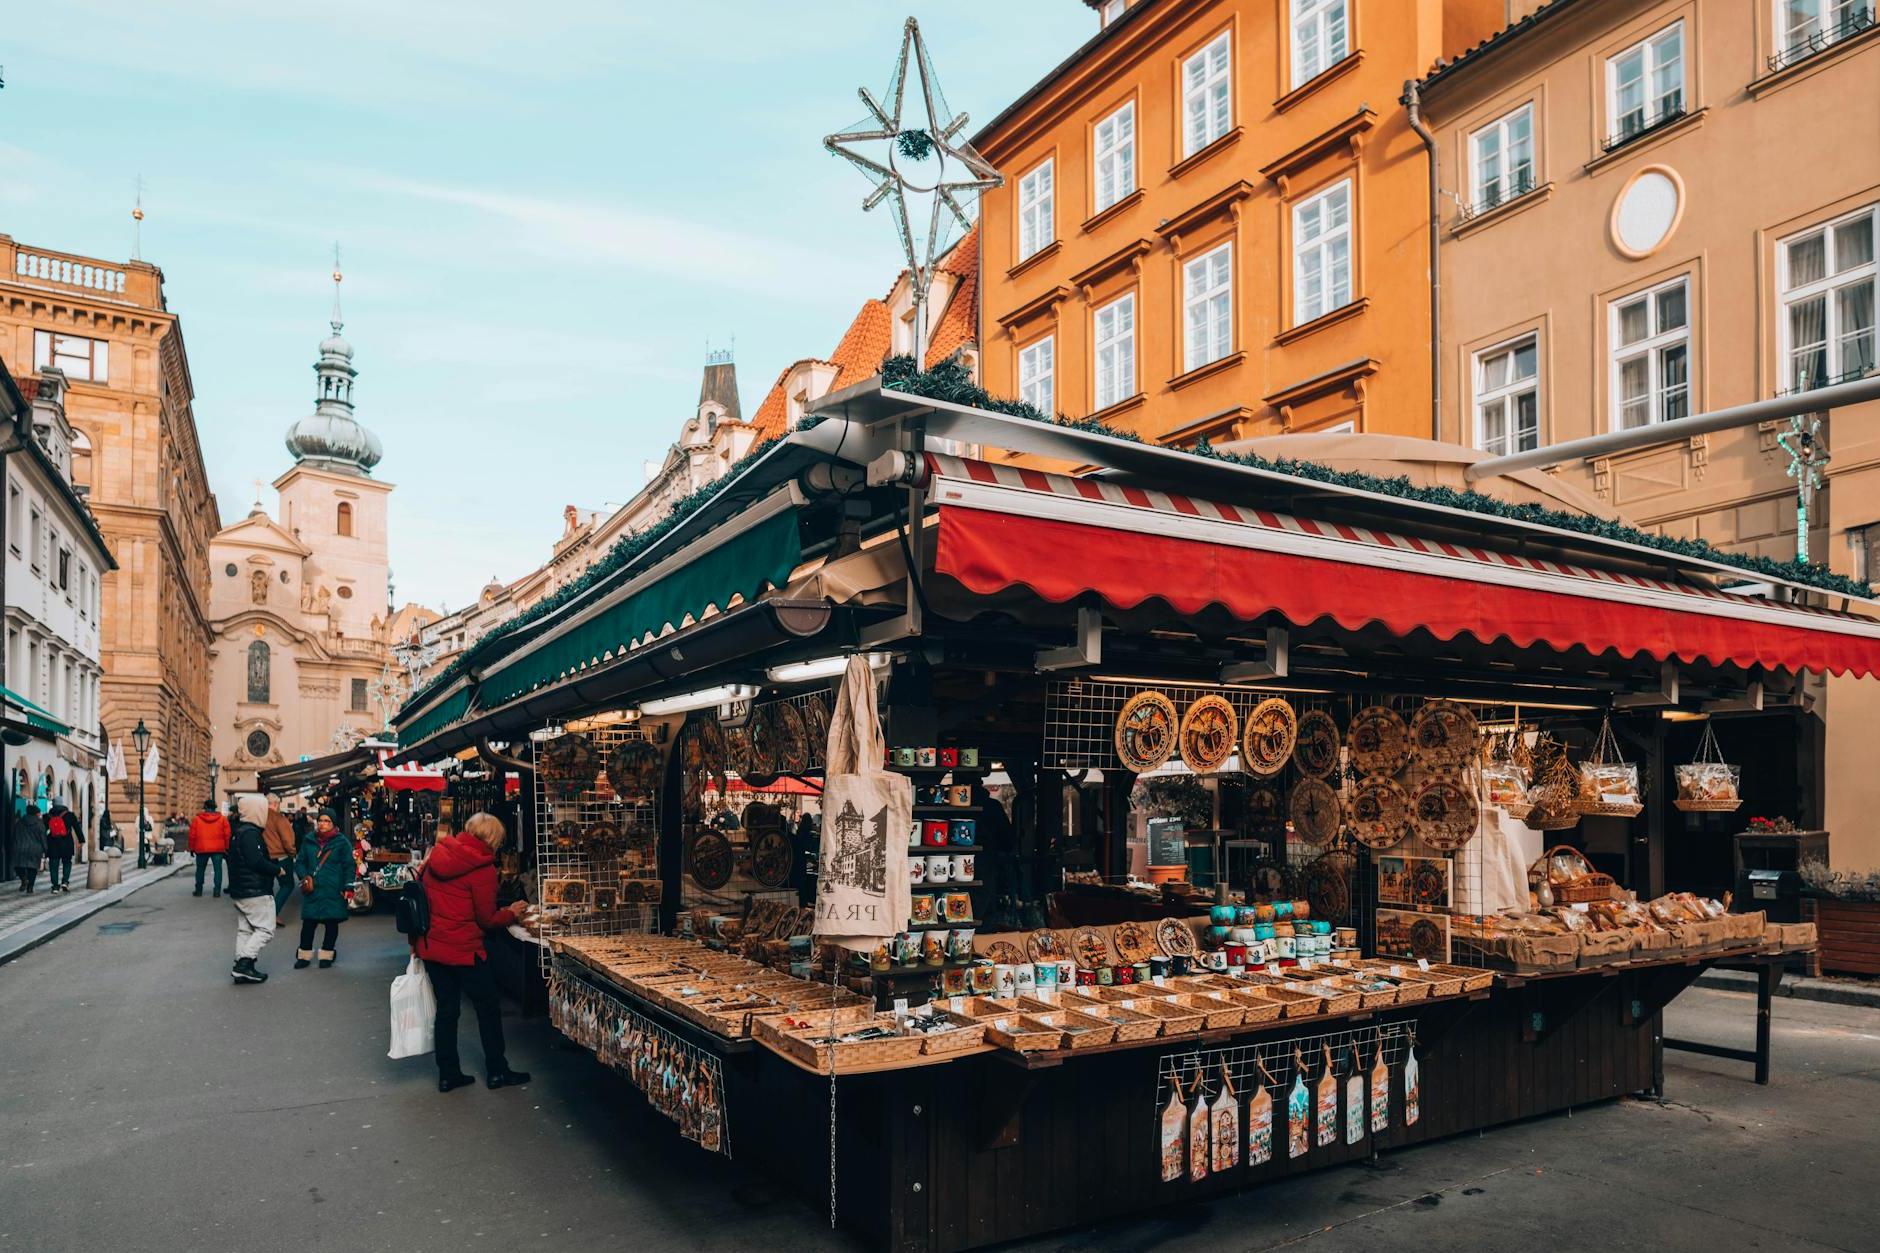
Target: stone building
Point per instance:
(301, 665)
(107, 327)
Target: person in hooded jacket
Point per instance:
(209, 836)
(61, 828)
(459, 879)
(250, 887)
(29, 846)
(324, 871)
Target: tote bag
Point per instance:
(868, 819)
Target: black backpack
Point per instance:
(411, 913)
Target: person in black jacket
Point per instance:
(251, 887)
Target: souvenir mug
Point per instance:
(985, 978)
(1236, 954)
(1004, 980)
(1158, 967)
(964, 866)
(963, 831)
(917, 870)
(1125, 974)
(928, 756)
(933, 832)
(921, 908)
(954, 983)
(1246, 916)
(949, 756)
(1066, 972)
(1347, 937)
(1265, 912)
(933, 948)
(1215, 961)
(1024, 979)
(939, 869)
(906, 948)
(1106, 976)
(1181, 964)
(1223, 915)
(960, 796)
(960, 943)
(1045, 976)
(1086, 978)
(905, 757)
(1243, 936)
(881, 958)
(1288, 947)
(1219, 935)
(1282, 909)
(969, 757)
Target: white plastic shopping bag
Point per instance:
(414, 1012)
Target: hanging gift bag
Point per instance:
(1380, 1091)
(1298, 1112)
(868, 820)
(1174, 1139)
(1328, 1103)
(1200, 1132)
(1260, 1120)
(1608, 782)
(1226, 1125)
(1708, 784)
(1354, 1100)
(1411, 1080)
(414, 1012)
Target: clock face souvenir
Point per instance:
(770, 858)
(1265, 808)
(1315, 811)
(1445, 812)
(711, 859)
(1380, 743)
(1207, 734)
(816, 727)
(1442, 735)
(764, 743)
(633, 769)
(1380, 812)
(792, 738)
(1316, 750)
(1268, 740)
(1146, 731)
(1328, 885)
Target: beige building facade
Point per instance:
(301, 665)
(135, 454)
(1650, 210)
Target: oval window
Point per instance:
(1647, 211)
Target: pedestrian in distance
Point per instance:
(324, 872)
(278, 835)
(250, 886)
(29, 846)
(459, 881)
(208, 843)
(61, 845)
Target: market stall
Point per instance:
(1408, 880)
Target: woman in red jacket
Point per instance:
(459, 880)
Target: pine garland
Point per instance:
(951, 382)
(915, 144)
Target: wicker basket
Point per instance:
(967, 1033)
(1176, 1019)
(1472, 978)
(800, 1043)
(1258, 1007)
(1375, 998)
(1708, 807)
(1131, 1024)
(1081, 1031)
(1587, 884)
(1022, 1033)
(1215, 1013)
(1336, 999)
(1410, 987)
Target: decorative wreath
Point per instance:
(1443, 735)
(1380, 812)
(1267, 742)
(1316, 812)
(1379, 740)
(1146, 731)
(1207, 734)
(1315, 750)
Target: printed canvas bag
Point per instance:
(868, 821)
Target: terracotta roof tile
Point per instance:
(958, 324)
(28, 385)
(862, 349)
(769, 416)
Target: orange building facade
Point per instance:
(1214, 220)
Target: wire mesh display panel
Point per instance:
(597, 849)
(1272, 1063)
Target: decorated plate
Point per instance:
(770, 858)
(633, 769)
(1426, 940)
(738, 751)
(1134, 942)
(567, 834)
(1379, 740)
(1175, 938)
(816, 727)
(764, 743)
(711, 858)
(1146, 731)
(1443, 735)
(603, 834)
(1045, 945)
(1267, 742)
(1445, 812)
(1089, 947)
(1005, 953)
(1380, 812)
(1270, 880)
(1328, 885)
(1316, 811)
(1208, 730)
(641, 836)
(792, 738)
(571, 758)
(1428, 884)
(1315, 751)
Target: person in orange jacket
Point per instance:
(208, 842)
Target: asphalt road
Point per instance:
(148, 1104)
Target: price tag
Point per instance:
(1305, 963)
(1423, 964)
(1272, 968)
(1219, 996)
(900, 1005)
(1127, 1004)
(1156, 979)
(999, 1024)
(1580, 907)
(959, 1004)
(1396, 968)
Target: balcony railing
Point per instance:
(68, 272)
(1638, 124)
(1500, 193)
(1797, 50)
(1821, 379)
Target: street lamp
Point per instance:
(215, 772)
(141, 738)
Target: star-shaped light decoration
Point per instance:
(928, 160)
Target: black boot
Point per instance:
(244, 971)
(450, 1083)
(508, 1078)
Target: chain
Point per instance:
(835, 977)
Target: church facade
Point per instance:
(300, 664)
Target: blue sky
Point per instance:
(545, 211)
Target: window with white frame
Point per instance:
(1207, 95)
(1111, 10)
(1507, 397)
(1645, 84)
(1805, 27)
(1115, 151)
(1037, 375)
(1827, 323)
(1116, 351)
(1208, 307)
(1036, 227)
(1863, 544)
(35, 552)
(1321, 37)
(1651, 355)
(1322, 253)
(1501, 158)
(13, 517)
(80, 358)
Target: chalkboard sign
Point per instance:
(1168, 842)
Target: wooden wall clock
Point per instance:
(1443, 735)
(1380, 743)
(1315, 752)
(1316, 812)
(1208, 734)
(1146, 731)
(1380, 812)
(1267, 743)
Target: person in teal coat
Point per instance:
(324, 871)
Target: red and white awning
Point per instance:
(411, 779)
(1061, 537)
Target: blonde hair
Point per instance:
(488, 828)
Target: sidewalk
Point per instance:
(1861, 992)
(29, 920)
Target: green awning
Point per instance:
(451, 709)
(35, 715)
(742, 566)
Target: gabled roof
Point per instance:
(958, 324)
(857, 357)
(271, 533)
